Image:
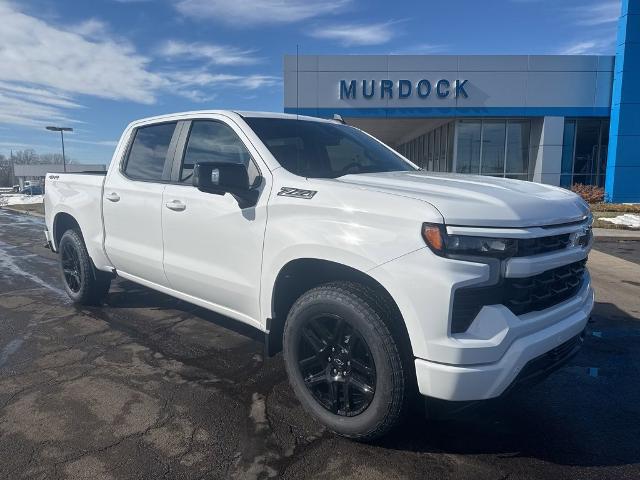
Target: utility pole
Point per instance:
(13, 170)
(62, 130)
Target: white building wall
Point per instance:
(533, 85)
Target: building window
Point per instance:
(432, 151)
(584, 151)
(494, 147)
(517, 166)
(468, 151)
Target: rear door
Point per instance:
(132, 202)
(212, 246)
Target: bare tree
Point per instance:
(29, 156)
(55, 158)
(6, 172)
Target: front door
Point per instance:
(212, 246)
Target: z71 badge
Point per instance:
(296, 193)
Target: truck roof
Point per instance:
(244, 113)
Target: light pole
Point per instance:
(62, 130)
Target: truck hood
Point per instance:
(478, 200)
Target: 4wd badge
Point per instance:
(296, 193)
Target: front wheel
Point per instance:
(83, 283)
(344, 364)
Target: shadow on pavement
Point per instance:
(586, 414)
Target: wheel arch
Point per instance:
(302, 274)
(62, 222)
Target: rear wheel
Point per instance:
(83, 283)
(343, 362)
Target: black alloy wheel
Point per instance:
(71, 267)
(344, 364)
(83, 283)
(336, 365)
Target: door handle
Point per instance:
(112, 197)
(175, 205)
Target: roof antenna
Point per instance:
(297, 81)
(297, 107)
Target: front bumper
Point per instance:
(488, 380)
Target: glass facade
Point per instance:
(494, 147)
(432, 151)
(584, 151)
(502, 148)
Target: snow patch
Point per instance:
(258, 412)
(20, 199)
(628, 219)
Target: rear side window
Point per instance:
(148, 152)
(211, 141)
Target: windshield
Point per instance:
(323, 149)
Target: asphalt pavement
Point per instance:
(147, 386)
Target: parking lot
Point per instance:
(148, 386)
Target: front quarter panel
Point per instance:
(353, 226)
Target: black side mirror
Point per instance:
(222, 177)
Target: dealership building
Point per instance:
(554, 119)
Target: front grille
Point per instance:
(524, 295)
(520, 295)
(536, 246)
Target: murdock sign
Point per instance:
(368, 89)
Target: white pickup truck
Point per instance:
(373, 277)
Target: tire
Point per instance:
(332, 332)
(84, 284)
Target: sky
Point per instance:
(97, 65)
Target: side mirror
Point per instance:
(222, 177)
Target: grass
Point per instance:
(615, 207)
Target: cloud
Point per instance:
(98, 143)
(202, 78)
(601, 13)
(38, 95)
(46, 68)
(38, 53)
(598, 22)
(421, 49)
(255, 12)
(214, 54)
(356, 34)
(588, 47)
(92, 28)
(17, 110)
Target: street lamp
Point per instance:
(62, 130)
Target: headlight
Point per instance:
(445, 245)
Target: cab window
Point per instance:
(212, 141)
(148, 152)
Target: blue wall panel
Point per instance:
(623, 163)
